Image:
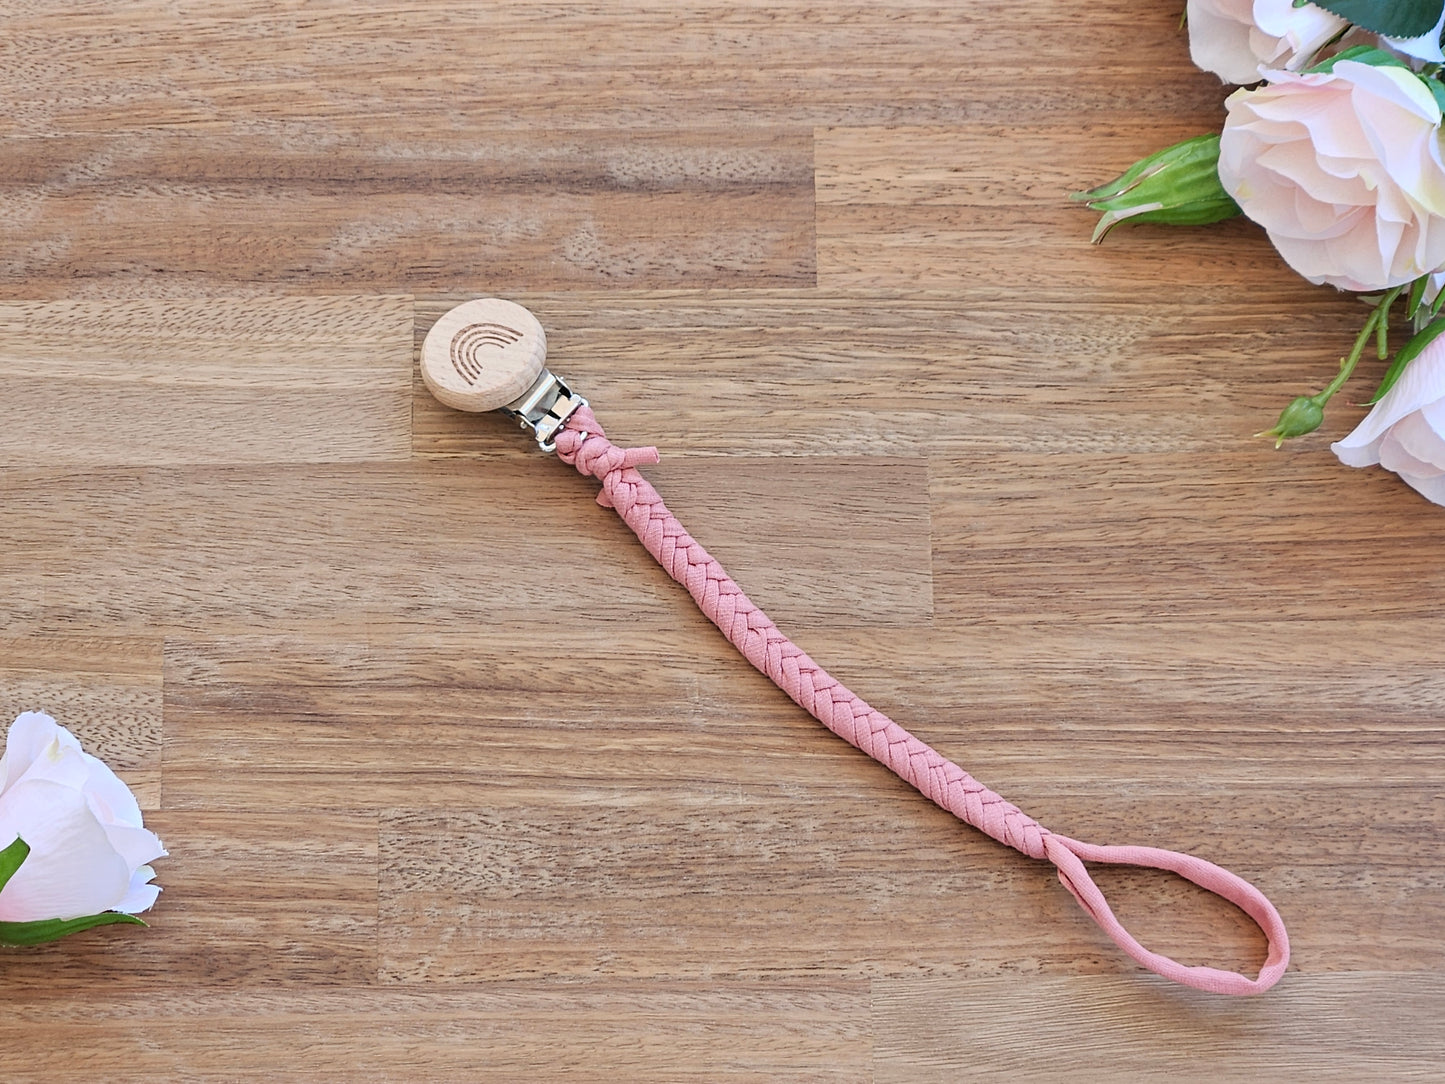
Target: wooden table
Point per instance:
(457, 785)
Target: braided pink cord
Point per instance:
(583, 444)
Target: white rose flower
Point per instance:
(1344, 171)
(1405, 431)
(88, 849)
(1235, 38)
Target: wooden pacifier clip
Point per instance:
(489, 355)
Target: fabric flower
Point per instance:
(88, 850)
(1235, 38)
(1405, 431)
(1343, 169)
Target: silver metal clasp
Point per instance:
(544, 408)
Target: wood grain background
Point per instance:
(456, 784)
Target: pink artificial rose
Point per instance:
(88, 850)
(1405, 432)
(1235, 38)
(1344, 171)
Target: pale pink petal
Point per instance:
(59, 761)
(141, 896)
(1332, 126)
(1219, 39)
(1434, 415)
(136, 845)
(1388, 235)
(72, 870)
(1293, 162)
(1432, 489)
(1400, 452)
(30, 733)
(1232, 38)
(1320, 261)
(1375, 88)
(1422, 382)
(112, 798)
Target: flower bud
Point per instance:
(1178, 186)
(1302, 416)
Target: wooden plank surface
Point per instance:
(253, 214)
(190, 381)
(457, 784)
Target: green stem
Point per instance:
(1376, 325)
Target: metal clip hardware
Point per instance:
(547, 404)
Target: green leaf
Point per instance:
(1417, 295)
(53, 929)
(1365, 54)
(10, 859)
(46, 929)
(1438, 90)
(1393, 18)
(1408, 353)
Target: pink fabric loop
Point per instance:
(1069, 855)
(583, 444)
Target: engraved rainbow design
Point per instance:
(470, 343)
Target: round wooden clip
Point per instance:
(483, 354)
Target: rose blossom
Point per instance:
(1405, 432)
(1234, 38)
(1344, 171)
(88, 851)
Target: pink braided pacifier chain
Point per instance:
(582, 443)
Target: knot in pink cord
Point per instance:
(583, 444)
